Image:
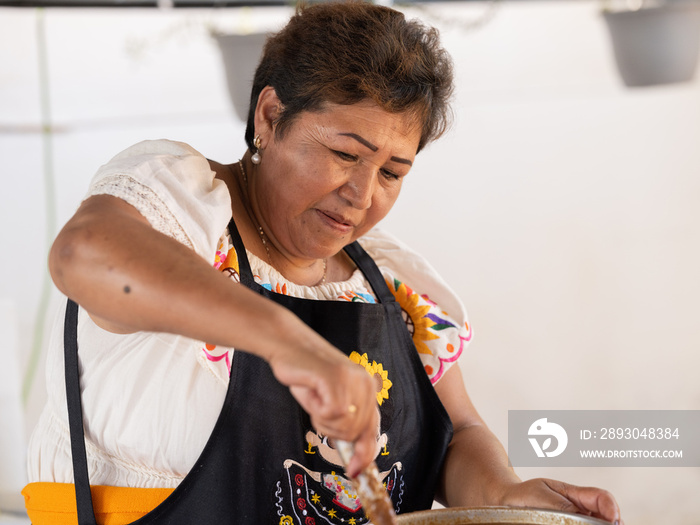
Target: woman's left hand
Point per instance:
(551, 494)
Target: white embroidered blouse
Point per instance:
(150, 400)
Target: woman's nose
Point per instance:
(358, 190)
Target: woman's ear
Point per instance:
(267, 111)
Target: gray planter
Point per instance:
(241, 54)
(656, 45)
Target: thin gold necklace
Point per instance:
(261, 232)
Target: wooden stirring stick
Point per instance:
(370, 489)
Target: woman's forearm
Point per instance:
(130, 277)
(475, 470)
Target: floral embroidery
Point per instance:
(417, 315)
(219, 259)
(230, 261)
(465, 336)
(432, 330)
(227, 263)
(211, 356)
(376, 370)
(356, 297)
(220, 256)
(282, 290)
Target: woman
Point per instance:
(344, 98)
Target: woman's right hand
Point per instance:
(339, 396)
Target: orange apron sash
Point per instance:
(54, 503)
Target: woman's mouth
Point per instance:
(336, 222)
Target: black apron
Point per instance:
(263, 462)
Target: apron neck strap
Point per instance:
(244, 270)
(83, 496)
(370, 270)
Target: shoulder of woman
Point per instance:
(397, 260)
(141, 159)
(173, 186)
(438, 321)
(158, 147)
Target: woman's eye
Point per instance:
(345, 156)
(389, 175)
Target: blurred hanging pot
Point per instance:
(655, 43)
(241, 54)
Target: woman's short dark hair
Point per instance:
(347, 52)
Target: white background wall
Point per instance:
(563, 207)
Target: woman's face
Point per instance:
(332, 176)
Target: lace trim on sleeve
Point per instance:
(146, 201)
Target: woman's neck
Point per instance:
(302, 271)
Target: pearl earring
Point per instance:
(255, 157)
